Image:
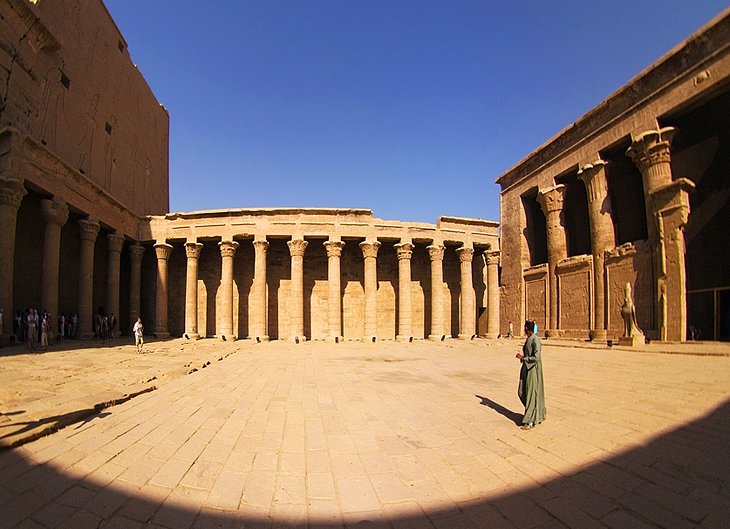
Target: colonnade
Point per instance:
(295, 301)
(55, 215)
(667, 209)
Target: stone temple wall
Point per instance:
(634, 192)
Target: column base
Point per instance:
(552, 333)
(336, 339)
(298, 339)
(162, 335)
(191, 336)
(369, 339)
(598, 335)
(260, 339)
(466, 336)
(437, 337)
(491, 336)
(403, 338)
(227, 337)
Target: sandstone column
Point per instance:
(467, 323)
(602, 239)
(163, 251)
(370, 255)
(12, 192)
(136, 252)
(116, 243)
(192, 251)
(436, 255)
(334, 303)
(667, 210)
(551, 201)
(228, 252)
(258, 292)
(55, 214)
(492, 260)
(296, 290)
(88, 231)
(405, 307)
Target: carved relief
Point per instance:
(334, 248)
(370, 249)
(297, 247)
(193, 249)
(404, 250)
(228, 248)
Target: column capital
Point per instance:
(551, 199)
(260, 244)
(492, 257)
(54, 211)
(651, 147)
(593, 176)
(228, 248)
(88, 230)
(12, 192)
(163, 251)
(404, 250)
(136, 252)
(297, 247)
(369, 249)
(436, 252)
(334, 248)
(116, 242)
(192, 249)
(466, 254)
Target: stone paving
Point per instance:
(419, 435)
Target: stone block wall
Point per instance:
(71, 87)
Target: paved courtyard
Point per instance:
(419, 435)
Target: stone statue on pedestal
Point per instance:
(632, 333)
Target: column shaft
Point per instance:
(88, 232)
(163, 251)
(492, 260)
(436, 255)
(116, 243)
(602, 239)
(12, 192)
(334, 301)
(136, 252)
(551, 201)
(228, 252)
(258, 292)
(467, 323)
(405, 306)
(192, 251)
(370, 255)
(55, 214)
(296, 289)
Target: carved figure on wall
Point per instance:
(628, 313)
(86, 144)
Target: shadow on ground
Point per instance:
(681, 479)
(509, 414)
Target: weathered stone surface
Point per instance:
(639, 130)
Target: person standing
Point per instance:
(32, 322)
(44, 332)
(138, 338)
(531, 388)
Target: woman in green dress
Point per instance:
(531, 389)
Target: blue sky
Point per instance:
(409, 108)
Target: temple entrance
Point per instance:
(701, 152)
